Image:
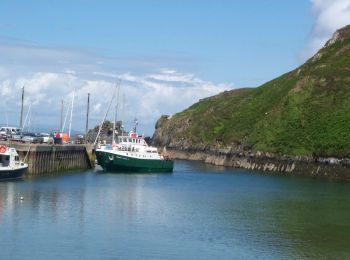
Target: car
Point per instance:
(79, 139)
(7, 131)
(16, 137)
(29, 138)
(45, 138)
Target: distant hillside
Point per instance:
(303, 112)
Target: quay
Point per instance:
(44, 159)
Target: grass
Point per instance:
(304, 112)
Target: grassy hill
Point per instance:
(303, 112)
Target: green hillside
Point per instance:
(303, 112)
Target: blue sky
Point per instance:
(218, 40)
(167, 53)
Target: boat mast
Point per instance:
(71, 114)
(21, 118)
(104, 118)
(65, 119)
(25, 120)
(30, 122)
(61, 114)
(116, 111)
(87, 117)
(123, 107)
(7, 119)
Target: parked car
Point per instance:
(79, 139)
(16, 137)
(7, 131)
(45, 138)
(30, 138)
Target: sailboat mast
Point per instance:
(65, 119)
(116, 111)
(104, 118)
(21, 119)
(7, 119)
(25, 120)
(61, 124)
(87, 117)
(71, 114)
(123, 107)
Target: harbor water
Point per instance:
(198, 212)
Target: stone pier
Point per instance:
(46, 159)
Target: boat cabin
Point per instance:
(8, 157)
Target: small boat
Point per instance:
(11, 167)
(131, 153)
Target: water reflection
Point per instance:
(223, 213)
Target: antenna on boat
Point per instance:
(104, 118)
(71, 114)
(135, 124)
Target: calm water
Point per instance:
(198, 212)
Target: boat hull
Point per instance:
(118, 163)
(12, 174)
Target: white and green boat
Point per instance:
(131, 153)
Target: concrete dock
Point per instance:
(46, 159)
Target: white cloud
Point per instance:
(147, 95)
(97, 107)
(68, 71)
(50, 75)
(330, 16)
(173, 76)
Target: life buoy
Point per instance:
(3, 148)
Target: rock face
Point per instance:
(299, 122)
(320, 167)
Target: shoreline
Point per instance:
(299, 165)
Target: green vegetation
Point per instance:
(304, 112)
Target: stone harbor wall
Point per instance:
(330, 167)
(50, 159)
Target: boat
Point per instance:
(11, 167)
(131, 153)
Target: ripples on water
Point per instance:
(198, 212)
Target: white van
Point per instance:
(7, 131)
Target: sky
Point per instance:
(166, 54)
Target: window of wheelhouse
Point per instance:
(16, 158)
(4, 160)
